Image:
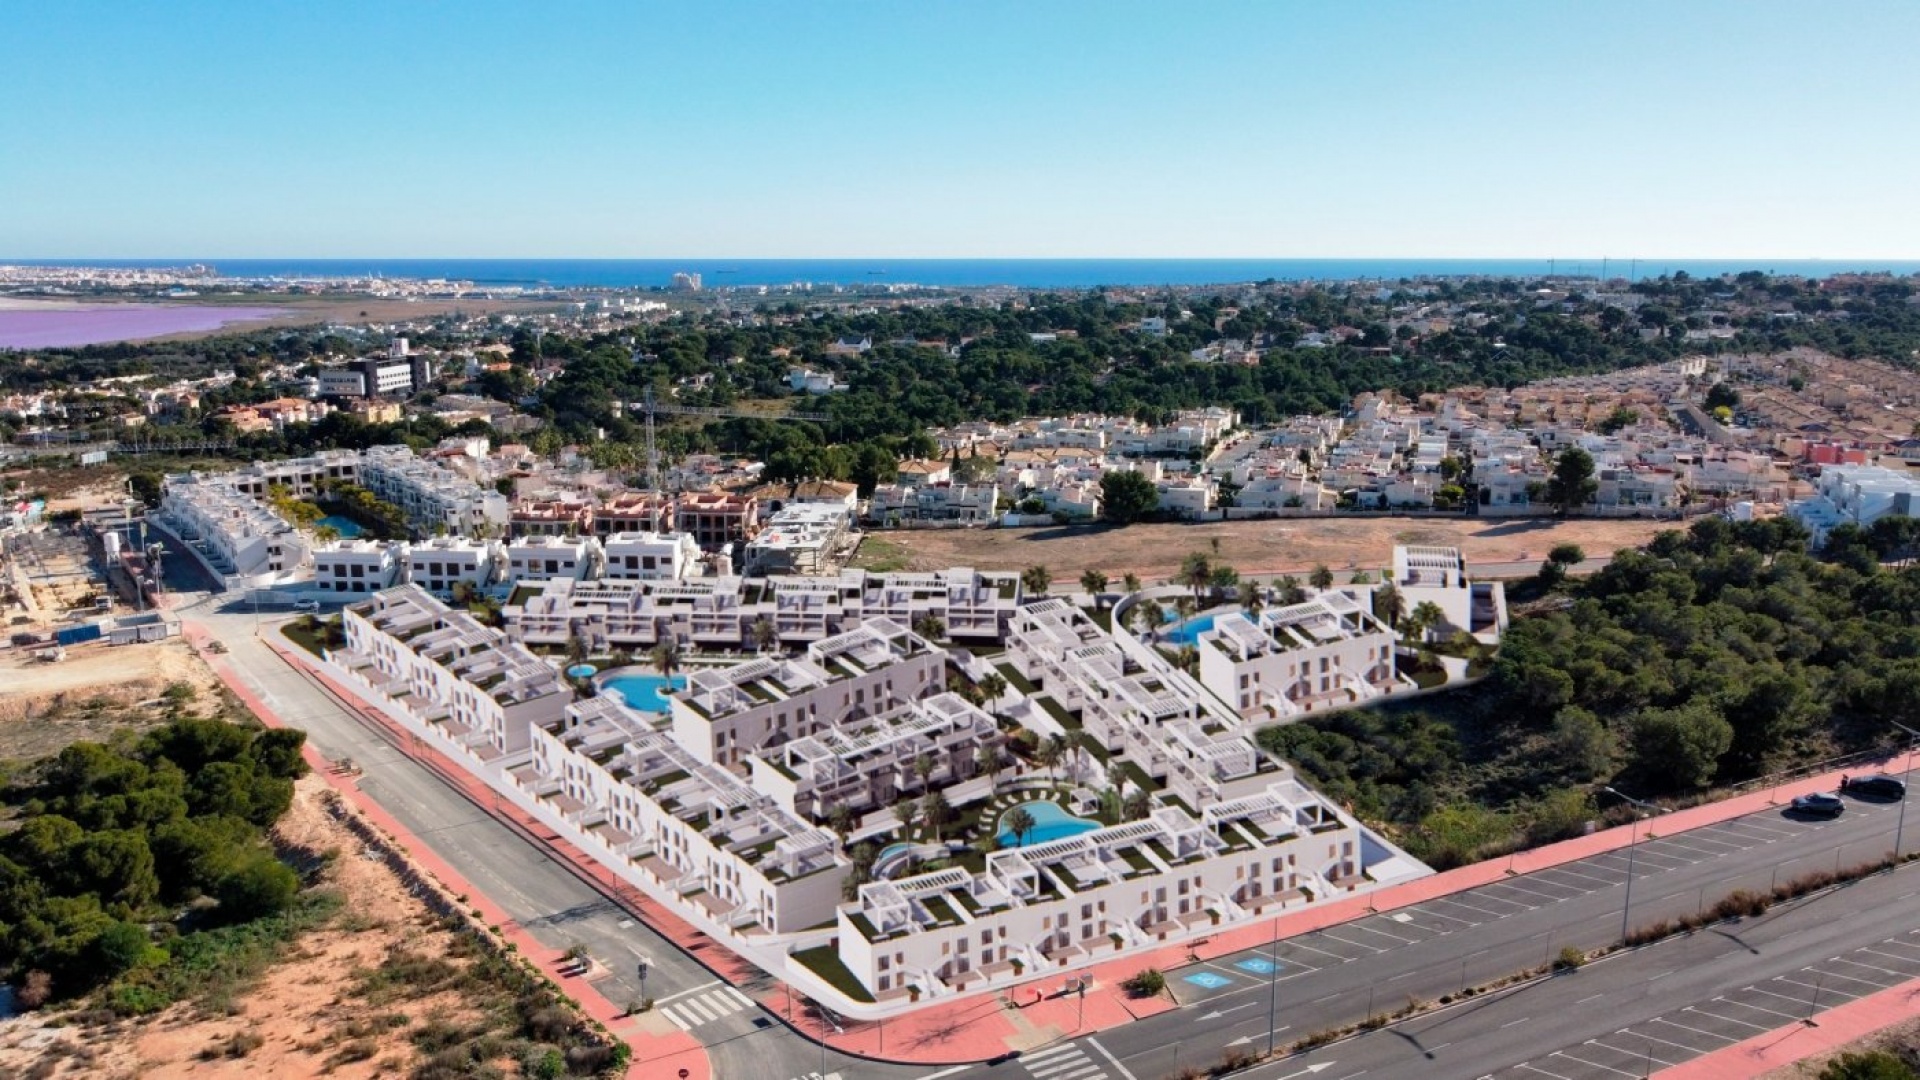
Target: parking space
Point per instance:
(1732, 1017)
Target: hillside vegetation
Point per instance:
(1713, 656)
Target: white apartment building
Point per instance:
(466, 683)
(870, 763)
(435, 500)
(721, 612)
(1438, 575)
(301, 476)
(437, 565)
(240, 540)
(1062, 904)
(1859, 494)
(798, 539)
(539, 558)
(1282, 663)
(726, 714)
(651, 556)
(357, 567)
(646, 807)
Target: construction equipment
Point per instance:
(651, 407)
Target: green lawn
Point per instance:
(827, 964)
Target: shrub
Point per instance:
(1871, 1065)
(35, 990)
(1145, 983)
(1569, 959)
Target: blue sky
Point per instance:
(977, 129)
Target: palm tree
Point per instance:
(936, 812)
(1389, 606)
(666, 657)
(906, 812)
(1093, 583)
(1290, 591)
(1425, 616)
(1187, 659)
(1019, 821)
(1051, 753)
(1196, 572)
(1185, 606)
(765, 635)
(1252, 598)
(993, 687)
(1138, 804)
(986, 759)
(841, 819)
(930, 626)
(1035, 580)
(1321, 579)
(576, 649)
(1130, 582)
(923, 767)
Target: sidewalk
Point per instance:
(1783, 1046)
(659, 1049)
(1039, 1011)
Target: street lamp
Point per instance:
(1626, 908)
(1900, 825)
(641, 968)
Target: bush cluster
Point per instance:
(125, 852)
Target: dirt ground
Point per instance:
(1294, 545)
(307, 1013)
(97, 689)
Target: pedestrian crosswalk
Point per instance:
(819, 1076)
(1064, 1062)
(705, 1008)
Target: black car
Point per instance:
(1820, 803)
(1877, 786)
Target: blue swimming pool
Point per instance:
(1188, 633)
(1050, 822)
(642, 692)
(345, 526)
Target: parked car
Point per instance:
(1877, 786)
(1821, 803)
(306, 606)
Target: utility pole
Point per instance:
(1906, 770)
(1626, 908)
(1273, 986)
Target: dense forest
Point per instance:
(141, 860)
(1713, 656)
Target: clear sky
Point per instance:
(912, 128)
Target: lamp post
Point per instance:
(1633, 834)
(1273, 986)
(1900, 825)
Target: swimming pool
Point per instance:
(1050, 822)
(1188, 633)
(642, 692)
(345, 526)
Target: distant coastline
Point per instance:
(972, 273)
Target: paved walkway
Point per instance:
(1039, 1011)
(1836, 1027)
(655, 1053)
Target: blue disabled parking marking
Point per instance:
(1259, 965)
(1207, 980)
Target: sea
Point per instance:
(974, 273)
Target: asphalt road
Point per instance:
(1377, 963)
(555, 906)
(1657, 1006)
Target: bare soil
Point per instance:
(97, 690)
(309, 1015)
(1293, 545)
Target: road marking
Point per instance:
(1782, 997)
(1511, 1023)
(1331, 936)
(674, 997)
(1051, 1051)
(1108, 1054)
(1697, 1031)
(1755, 1008)
(1590, 1064)
(1870, 967)
(1538, 1069)
(944, 1072)
(1654, 1038)
(1642, 1054)
(1728, 1019)
(1590, 997)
